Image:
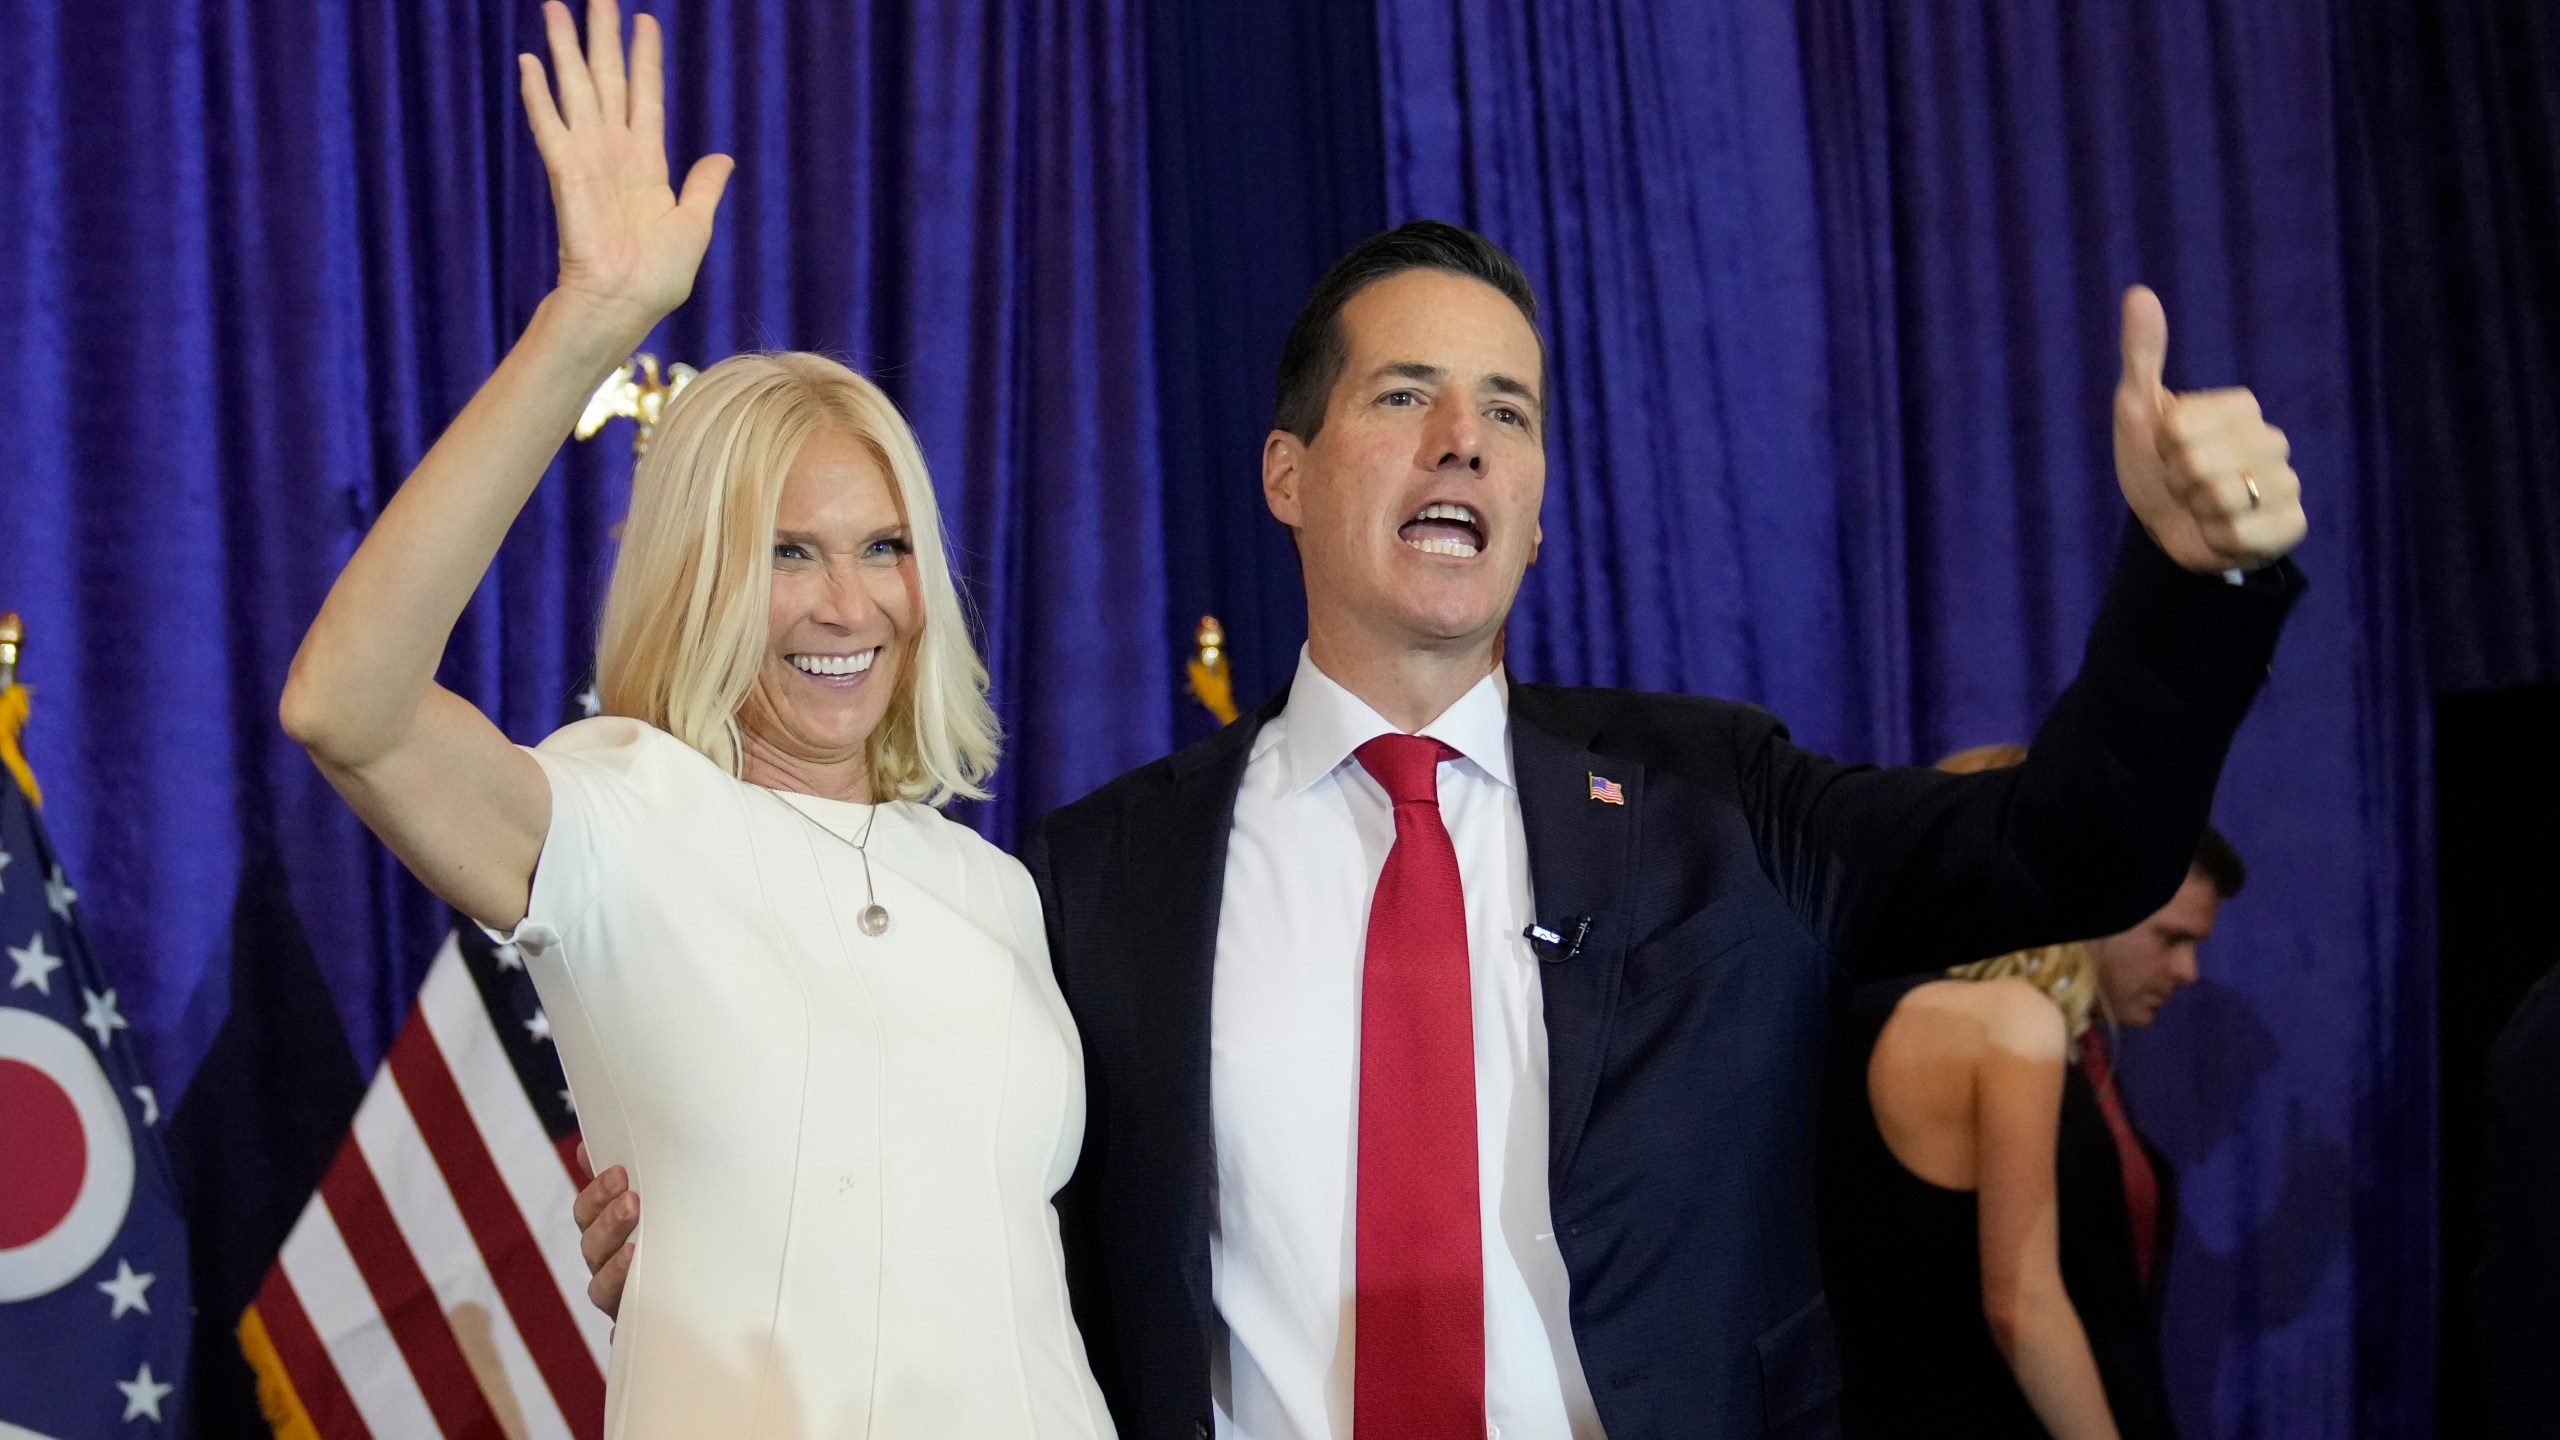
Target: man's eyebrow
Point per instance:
(1408, 370)
(1497, 383)
(1505, 385)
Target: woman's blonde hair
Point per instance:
(685, 627)
(2065, 973)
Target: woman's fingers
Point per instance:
(539, 112)
(604, 61)
(648, 81)
(703, 185)
(577, 91)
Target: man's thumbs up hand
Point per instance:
(2204, 472)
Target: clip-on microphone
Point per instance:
(1560, 944)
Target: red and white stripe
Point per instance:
(433, 1286)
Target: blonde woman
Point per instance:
(1941, 1220)
(812, 1016)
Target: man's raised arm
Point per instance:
(1901, 869)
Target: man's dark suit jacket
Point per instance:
(1743, 882)
(2119, 1312)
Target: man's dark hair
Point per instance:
(2218, 862)
(1311, 359)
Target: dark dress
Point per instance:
(1902, 1260)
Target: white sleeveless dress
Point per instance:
(844, 1145)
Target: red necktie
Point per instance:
(1418, 1327)
(2141, 1187)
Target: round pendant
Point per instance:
(873, 920)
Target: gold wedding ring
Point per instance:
(2251, 482)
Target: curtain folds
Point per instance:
(1832, 289)
(2450, 128)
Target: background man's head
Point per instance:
(1408, 455)
(2141, 968)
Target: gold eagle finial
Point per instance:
(634, 391)
(1212, 684)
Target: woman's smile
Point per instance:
(844, 671)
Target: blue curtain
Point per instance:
(259, 253)
(1832, 288)
(2450, 128)
(1265, 166)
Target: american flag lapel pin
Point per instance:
(1607, 791)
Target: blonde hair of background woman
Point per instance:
(2065, 973)
(685, 620)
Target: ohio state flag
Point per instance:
(94, 1312)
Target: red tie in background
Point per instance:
(2141, 1187)
(1418, 1327)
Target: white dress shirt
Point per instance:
(1311, 834)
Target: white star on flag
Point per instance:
(101, 1015)
(5, 858)
(569, 1104)
(588, 703)
(35, 967)
(142, 1394)
(508, 957)
(539, 1026)
(126, 1290)
(58, 895)
(150, 1104)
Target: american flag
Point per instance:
(1608, 792)
(94, 1306)
(433, 1286)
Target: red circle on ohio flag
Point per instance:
(48, 1154)
(60, 1211)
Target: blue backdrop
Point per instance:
(1831, 286)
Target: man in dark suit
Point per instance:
(1554, 967)
(2117, 1194)
(1709, 885)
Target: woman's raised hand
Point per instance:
(628, 244)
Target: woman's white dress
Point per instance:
(844, 1145)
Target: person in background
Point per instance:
(1940, 1225)
(2119, 1194)
(1994, 1227)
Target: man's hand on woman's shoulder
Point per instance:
(607, 1211)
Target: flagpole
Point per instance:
(13, 706)
(1212, 682)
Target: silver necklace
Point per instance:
(874, 918)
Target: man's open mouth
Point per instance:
(1442, 528)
